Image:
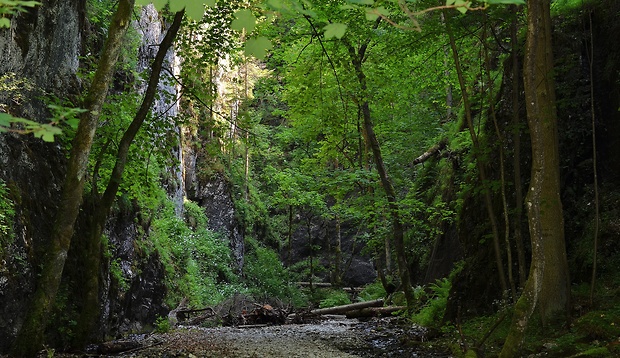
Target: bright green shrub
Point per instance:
(269, 278)
(335, 298)
(372, 291)
(198, 262)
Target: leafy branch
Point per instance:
(9, 8)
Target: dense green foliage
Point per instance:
(197, 261)
(288, 139)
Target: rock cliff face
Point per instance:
(215, 196)
(43, 47)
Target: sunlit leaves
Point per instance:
(460, 5)
(194, 9)
(44, 131)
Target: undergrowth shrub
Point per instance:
(269, 278)
(198, 262)
(432, 313)
(372, 291)
(335, 298)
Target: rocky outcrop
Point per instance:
(214, 194)
(41, 51)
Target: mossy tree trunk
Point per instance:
(548, 284)
(30, 338)
(91, 257)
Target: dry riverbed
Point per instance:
(333, 337)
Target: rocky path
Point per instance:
(332, 338)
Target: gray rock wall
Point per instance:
(42, 46)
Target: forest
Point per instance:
(453, 158)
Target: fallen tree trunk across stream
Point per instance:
(347, 308)
(374, 311)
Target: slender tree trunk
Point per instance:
(311, 247)
(338, 271)
(597, 218)
(481, 170)
(30, 337)
(92, 255)
(357, 58)
(289, 237)
(502, 167)
(516, 127)
(548, 284)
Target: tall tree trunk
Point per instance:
(479, 164)
(89, 314)
(502, 169)
(597, 218)
(357, 58)
(30, 337)
(548, 284)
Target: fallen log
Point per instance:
(346, 308)
(375, 311)
(314, 284)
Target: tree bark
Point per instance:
(347, 308)
(31, 335)
(92, 256)
(517, 150)
(357, 58)
(548, 283)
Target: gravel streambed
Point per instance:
(334, 337)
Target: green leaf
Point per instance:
(507, 2)
(275, 4)
(4, 22)
(362, 2)
(257, 47)
(176, 6)
(336, 30)
(73, 122)
(5, 119)
(461, 5)
(46, 132)
(159, 4)
(244, 19)
(371, 15)
(29, 3)
(195, 9)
